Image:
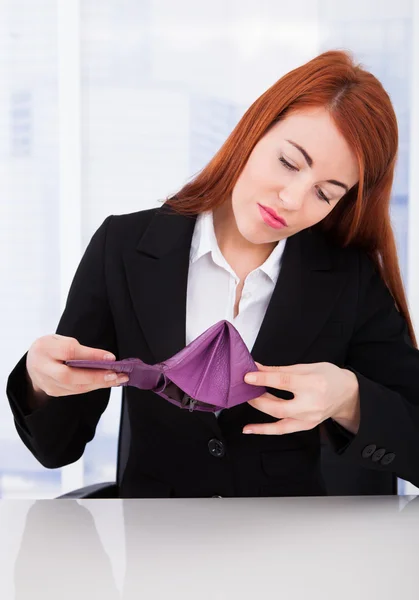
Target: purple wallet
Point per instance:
(207, 375)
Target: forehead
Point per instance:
(315, 130)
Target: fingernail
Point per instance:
(122, 379)
(247, 430)
(110, 376)
(109, 357)
(250, 378)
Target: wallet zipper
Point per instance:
(192, 404)
(189, 402)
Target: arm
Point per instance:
(57, 429)
(382, 357)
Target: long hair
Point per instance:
(364, 115)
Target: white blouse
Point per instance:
(212, 285)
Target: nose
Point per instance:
(292, 196)
(291, 201)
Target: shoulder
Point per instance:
(131, 223)
(351, 259)
(126, 229)
(374, 295)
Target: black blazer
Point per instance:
(128, 296)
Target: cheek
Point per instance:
(259, 172)
(263, 174)
(245, 189)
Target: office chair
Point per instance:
(341, 478)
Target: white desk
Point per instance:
(282, 548)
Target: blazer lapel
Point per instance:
(157, 274)
(307, 289)
(305, 293)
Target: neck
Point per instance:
(241, 254)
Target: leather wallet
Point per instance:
(206, 375)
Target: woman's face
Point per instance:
(299, 170)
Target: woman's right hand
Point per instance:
(49, 375)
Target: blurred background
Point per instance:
(108, 106)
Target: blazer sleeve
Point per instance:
(382, 356)
(58, 432)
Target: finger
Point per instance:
(280, 427)
(277, 379)
(78, 380)
(86, 388)
(87, 353)
(298, 368)
(276, 407)
(267, 367)
(83, 376)
(73, 350)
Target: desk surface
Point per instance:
(291, 548)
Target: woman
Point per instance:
(286, 233)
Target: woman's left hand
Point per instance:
(321, 391)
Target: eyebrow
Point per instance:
(310, 163)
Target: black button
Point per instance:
(216, 496)
(369, 450)
(216, 448)
(378, 454)
(388, 458)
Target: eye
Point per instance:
(322, 196)
(290, 167)
(287, 164)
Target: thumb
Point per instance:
(87, 353)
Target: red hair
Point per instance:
(364, 115)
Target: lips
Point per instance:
(274, 215)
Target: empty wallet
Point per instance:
(206, 375)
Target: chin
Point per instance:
(254, 234)
(252, 228)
